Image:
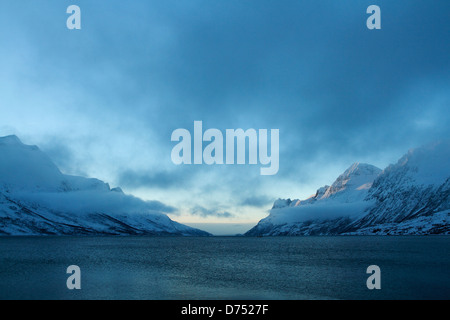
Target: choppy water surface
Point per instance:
(225, 267)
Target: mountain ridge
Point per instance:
(409, 197)
(37, 199)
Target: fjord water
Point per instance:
(225, 267)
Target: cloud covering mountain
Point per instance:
(410, 197)
(37, 199)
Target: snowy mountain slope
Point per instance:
(37, 199)
(327, 212)
(411, 197)
(417, 186)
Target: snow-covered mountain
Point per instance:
(410, 197)
(37, 199)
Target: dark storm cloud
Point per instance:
(312, 70)
(309, 68)
(257, 201)
(205, 213)
(178, 178)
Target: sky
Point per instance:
(103, 101)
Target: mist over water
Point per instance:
(225, 267)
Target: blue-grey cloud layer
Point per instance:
(337, 91)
